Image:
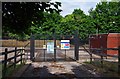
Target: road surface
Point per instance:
(50, 70)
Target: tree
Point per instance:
(82, 23)
(49, 24)
(18, 16)
(106, 16)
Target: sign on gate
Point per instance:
(50, 47)
(44, 46)
(65, 44)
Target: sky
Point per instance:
(68, 6)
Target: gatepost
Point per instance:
(76, 42)
(32, 47)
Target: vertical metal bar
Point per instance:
(44, 54)
(32, 47)
(65, 54)
(118, 59)
(15, 57)
(44, 50)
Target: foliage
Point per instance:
(44, 20)
(17, 16)
(48, 26)
(106, 16)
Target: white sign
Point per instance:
(50, 47)
(44, 46)
(65, 44)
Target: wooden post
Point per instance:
(21, 56)
(5, 63)
(90, 58)
(101, 61)
(23, 51)
(118, 59)
(15, 57)
(90, 50)
(54, 47)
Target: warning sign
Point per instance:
(65, 44)
(50, 47)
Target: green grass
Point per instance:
(109, 69)
(0, 71)
(12, 69)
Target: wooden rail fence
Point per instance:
(101, 54)
(18, 53)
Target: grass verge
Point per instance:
(108, 69)
(11, 70)
(0, 70)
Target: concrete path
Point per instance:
(50, 70)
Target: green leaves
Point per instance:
(105, 16)
(17, 16)
(41, 18)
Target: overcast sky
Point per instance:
(68, 6)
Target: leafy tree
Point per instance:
(106, 17)
(49, 24)
(17, 16)
(82, 22)
(40, 18)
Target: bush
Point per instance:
(22, 36)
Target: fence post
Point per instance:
(23, 52)
(90, 49)
(5, 63)
(118, 59)
(90, 58)
(15, 57)
(55, 47)
(21, 56)
(101, 61)
(76, 40)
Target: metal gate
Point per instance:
(48, 48)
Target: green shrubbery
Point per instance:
(104, 18)
(22, 37)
